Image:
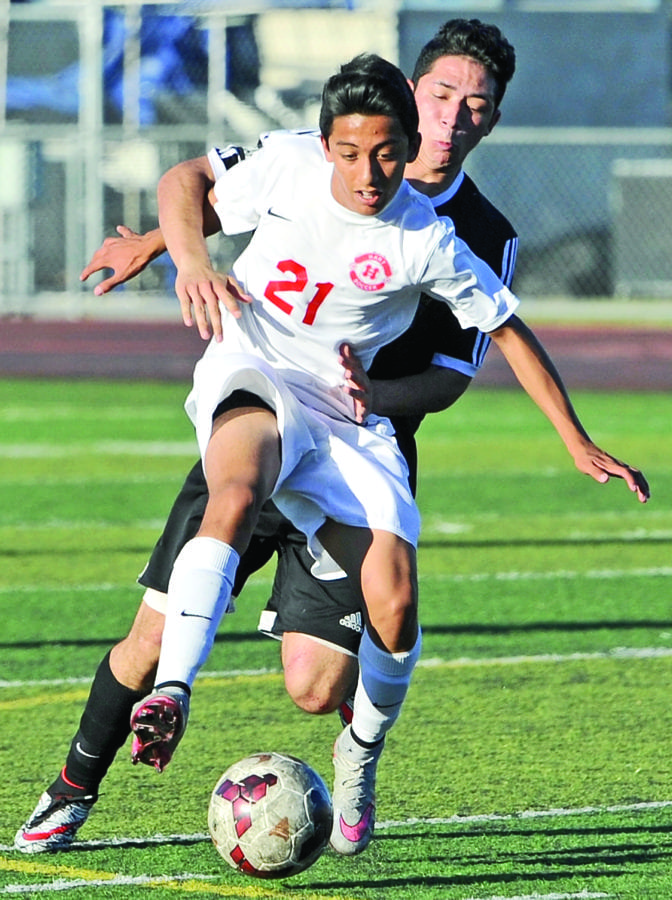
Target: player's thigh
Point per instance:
(386, 566)
(242, 464)
(244, 447)
(383, 562)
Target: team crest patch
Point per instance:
(370, 272)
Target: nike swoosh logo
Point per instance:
(354, 833)
(386, 705)
(195, 615)
(271, 212)
(79, 749)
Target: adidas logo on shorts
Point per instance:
(353, 621)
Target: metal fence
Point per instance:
(100, 98)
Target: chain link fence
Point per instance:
(100, 98)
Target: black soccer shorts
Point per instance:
(329, 610)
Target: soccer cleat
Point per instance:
(354, 795)
(158, 723)
(53, 824)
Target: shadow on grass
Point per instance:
(239, 637)
(596, 858)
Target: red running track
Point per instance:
(599, 358)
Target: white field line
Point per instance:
(109, 448)
(582, 895)
(200, 837)
(617, 653)
(149, 881)
(595, 574)
(94, 588)
(412, 821)
(39, 413)
(62, 884)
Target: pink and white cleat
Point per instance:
(354, 794)
(53, 824)
(158, 723)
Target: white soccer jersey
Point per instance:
(321, 274)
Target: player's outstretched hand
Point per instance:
(356, 382)
(602, 466)
(126, 255)
(200, 292)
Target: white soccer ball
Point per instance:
(270, 815)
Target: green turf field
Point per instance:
(533, 756)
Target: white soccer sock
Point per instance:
(383, 683)
(199, 593)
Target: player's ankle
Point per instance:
(63, 786)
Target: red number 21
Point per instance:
(296, 286)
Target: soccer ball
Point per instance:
(270, 815)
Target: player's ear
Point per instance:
(414, 147)
(410, 84)
(325, 147)
(496, 116)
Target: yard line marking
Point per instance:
(38, 413)
(476, 819)
(582, 895)
(610, 574)
(607, 574)
(81, 877)
(186, 883)
(126, 585)
(529, 814)
(57, 682)
(618, 653)
(111, 448)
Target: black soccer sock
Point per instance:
(103, 729)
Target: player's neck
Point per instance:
(431, 183)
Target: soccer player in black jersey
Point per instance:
(459, 81)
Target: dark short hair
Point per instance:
(371, 86)
(473, 38)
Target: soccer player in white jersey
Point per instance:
(340, 253)
(341, 249)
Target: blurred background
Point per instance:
(97, 99)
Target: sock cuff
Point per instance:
(106, 685)
(389, 663)
(209, 553)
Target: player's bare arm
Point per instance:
(127, 255)
(131, 252)
(538, 376)
(184, 196)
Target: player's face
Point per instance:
(456, 103)
(369, 154)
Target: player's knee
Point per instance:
(232, 508)
(314, 688)
(316, 695)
